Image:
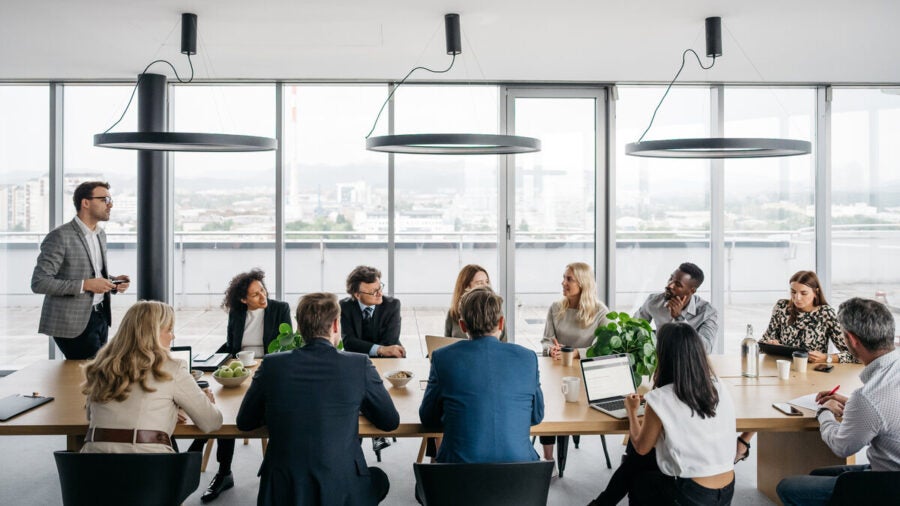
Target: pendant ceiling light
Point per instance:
(448, 143)
(158, 139)
(713, 147)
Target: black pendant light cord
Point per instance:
(683, 57)
(140, 76)
(391, 94)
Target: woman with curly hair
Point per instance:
(134, 388)
(572, 320)
(253, 321)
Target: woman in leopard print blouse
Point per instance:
(807, 321)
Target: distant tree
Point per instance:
(221, 226)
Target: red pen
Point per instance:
(835, 389)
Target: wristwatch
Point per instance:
(828, 358)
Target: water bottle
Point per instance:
(749, 355)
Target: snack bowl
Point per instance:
(234, 381)
(399, 379)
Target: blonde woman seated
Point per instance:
(471, 276)
(134, 388)
(572, 320)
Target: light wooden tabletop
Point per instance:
(753, 399)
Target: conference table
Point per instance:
(786, 445)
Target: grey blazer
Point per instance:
(62, 265)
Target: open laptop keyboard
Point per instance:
(611, 405)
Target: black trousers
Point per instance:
(632, 467)
(224, 452)
(88, 343)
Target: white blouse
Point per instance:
(253, 331)
(690, 446)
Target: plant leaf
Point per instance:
(285, 328)
(615, 342)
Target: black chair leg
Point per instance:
(562, 450)
(576, 439)
(377, 455)
(605, 452)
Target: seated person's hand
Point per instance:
(817, 357)
(632, 403)
(823, 397)
(772, 341)
(395, 351)
(182, 417)
(835, 407)
(554, 350)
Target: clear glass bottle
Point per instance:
(749, 355)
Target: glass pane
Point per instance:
(337, 196)
(662, 205)
(446, 206)
(24, 219)
(91, 110)
(554, 204)
(865, 201)
(224, 204)
(769, 207)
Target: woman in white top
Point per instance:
(689, 420)
(134, 388)
(572, 320)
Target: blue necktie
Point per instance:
(367, 313)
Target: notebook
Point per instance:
(607, 380)
(18, 403)
(436, 342)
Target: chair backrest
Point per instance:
(436, 342)
(127, 478)
(519, 483)
(866, 487)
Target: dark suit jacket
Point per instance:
(485, 395)
(64, 262)
(311, 399)
(274, 315)
(387, 321)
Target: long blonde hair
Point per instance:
(132, 355)
(588, 303)
(465, 277)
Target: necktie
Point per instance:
(367, 313)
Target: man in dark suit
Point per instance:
(485, 394)
(310, 399)
(72, 274)
(370, 321)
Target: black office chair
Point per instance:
(866, 487)
(519, 483)
(127, 478)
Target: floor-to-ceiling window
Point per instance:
(865, 195)
(24, 217)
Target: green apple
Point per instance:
(236, 365)
(226, 373)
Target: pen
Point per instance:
(833, 390)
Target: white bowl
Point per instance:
(232, 382)
(399, 382)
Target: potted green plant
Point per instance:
(288, 340)
(633, 336)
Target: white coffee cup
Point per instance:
(784, 369)
(571, 385)
(246, 357)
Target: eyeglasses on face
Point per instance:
(106, 200)
(380, 290)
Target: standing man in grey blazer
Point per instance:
(72, 274)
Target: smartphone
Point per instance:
(823, 368)
(787, 409)
(203, 357)
(119, 281)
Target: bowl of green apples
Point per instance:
(232, 374)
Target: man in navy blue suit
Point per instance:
(485, 394)
(310, 399)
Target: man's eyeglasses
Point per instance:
(380, 290)
(106, 200)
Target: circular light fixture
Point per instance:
(719, 147)
(184, 141)
(453, 144)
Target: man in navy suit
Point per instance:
(310, 399)
(370, 321)
(485, 394)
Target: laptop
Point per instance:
(182, 353)
(607, 380)
(778, 349)
(436, 342)
(210, 362)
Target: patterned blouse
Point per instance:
(810, 331)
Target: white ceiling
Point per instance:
(802, 41)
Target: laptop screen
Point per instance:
(606, 377)
(182, 352)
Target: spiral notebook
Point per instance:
(18, 403)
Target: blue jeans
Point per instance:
(813, 489)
